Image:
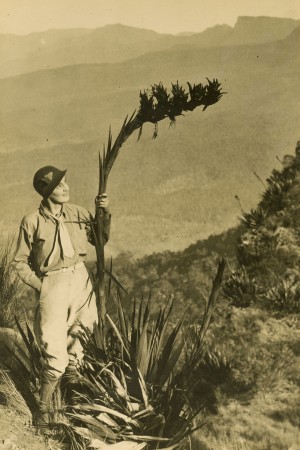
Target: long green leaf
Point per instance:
(123, 322)
(118, 334)
(142, 353)
(99, 408)
(170, 345)
(103, 431)
(35, 361)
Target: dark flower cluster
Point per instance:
(157, 104)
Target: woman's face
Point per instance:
(61, 193)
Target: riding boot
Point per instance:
(71, 384)
(48, 385)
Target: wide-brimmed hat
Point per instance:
(47, 179)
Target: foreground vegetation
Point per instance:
(136, 383)
(256, 329)
(246, 378)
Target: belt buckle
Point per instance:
(64, 269)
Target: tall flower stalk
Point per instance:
(155, 105)
(132, 390)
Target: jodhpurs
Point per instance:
(66, 300)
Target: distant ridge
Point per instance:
(117, 43)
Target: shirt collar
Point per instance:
(46, 213)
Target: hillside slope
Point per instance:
(263, 254)
(167, 193)
(253, 379)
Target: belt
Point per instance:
(65, 269)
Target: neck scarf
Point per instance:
(62, 241)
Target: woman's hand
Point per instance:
(102, 201)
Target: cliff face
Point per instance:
(261, 29)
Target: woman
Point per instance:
(51, 251)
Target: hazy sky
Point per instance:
(168, 16)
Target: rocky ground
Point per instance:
(17, 434)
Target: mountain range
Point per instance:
(169, 192)
(115, 43)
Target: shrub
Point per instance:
(9, 285)
(255, 218)
(285, 295)
(241, 288)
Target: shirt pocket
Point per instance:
(81, 240)
(44, 242)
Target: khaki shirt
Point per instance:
(36, 240)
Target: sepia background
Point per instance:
(217, 183)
